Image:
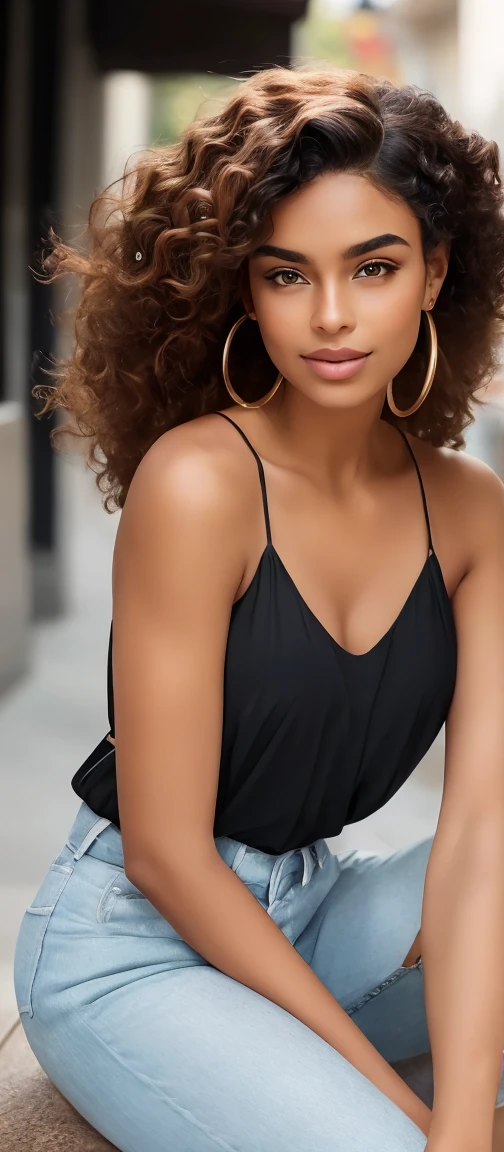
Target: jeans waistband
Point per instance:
(98, 837)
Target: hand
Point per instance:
(455, 1144)
(498, 1131)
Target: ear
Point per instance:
(436, 268)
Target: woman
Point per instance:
(299, 602)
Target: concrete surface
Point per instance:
(34, 1116)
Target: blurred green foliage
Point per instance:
(179, 98)
(321, 37)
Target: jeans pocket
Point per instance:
(128, 912)
(32, 931)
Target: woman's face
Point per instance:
(343, 269)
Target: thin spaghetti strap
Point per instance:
(110, 689)
(412, 454)
(261, 473)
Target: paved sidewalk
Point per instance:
(50, 721)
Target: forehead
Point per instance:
(341, 207)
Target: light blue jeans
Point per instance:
(163, 1052)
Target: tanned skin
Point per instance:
(348, 523)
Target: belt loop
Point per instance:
(320, 849)
(277, 872)
(309, 865)
(91, 835)
(238, 857)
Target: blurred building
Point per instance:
(74, 106)
(76, 101)
(427, 39)
(453, 48)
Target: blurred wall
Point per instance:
(481, 71)
(51, 116)
(14, 564)
(426, 35)
(480, 106)
(75, 104)
(453, 48)
(126, 121)
(15, 586)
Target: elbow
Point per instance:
(150, 868)
(136, 871)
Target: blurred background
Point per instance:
(86, 84)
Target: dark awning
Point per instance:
(223, 36)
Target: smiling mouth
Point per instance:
(336, 359)
(336, 369)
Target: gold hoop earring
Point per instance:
(234, 395)
(431, 372)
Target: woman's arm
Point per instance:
(463, 908)
(181, 554)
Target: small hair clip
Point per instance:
(138, 255)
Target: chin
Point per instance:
(340, 394)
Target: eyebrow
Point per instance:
(384, 241)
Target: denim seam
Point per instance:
(322, 918)
(184, 1112)
(319, 929)
(239, 856)
(275, 877)
(41, 910)
(394, 976)
(46, 912)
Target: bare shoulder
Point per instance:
(194, 486)
(466, 501)
(192, 466)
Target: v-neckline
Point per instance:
(271, 550)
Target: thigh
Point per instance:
(192, 1059)
(158, 1049)
(359, 937)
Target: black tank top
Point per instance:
(314, 737)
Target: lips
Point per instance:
(344, 363)
(335, 355)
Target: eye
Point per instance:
(284, 272)
(376, 264)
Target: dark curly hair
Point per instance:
(149, 332)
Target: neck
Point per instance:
(340, 447)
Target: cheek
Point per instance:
(282, 317)
(278, 339)
(395, 323)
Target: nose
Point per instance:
(333, 309)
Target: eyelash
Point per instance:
(369, 263)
